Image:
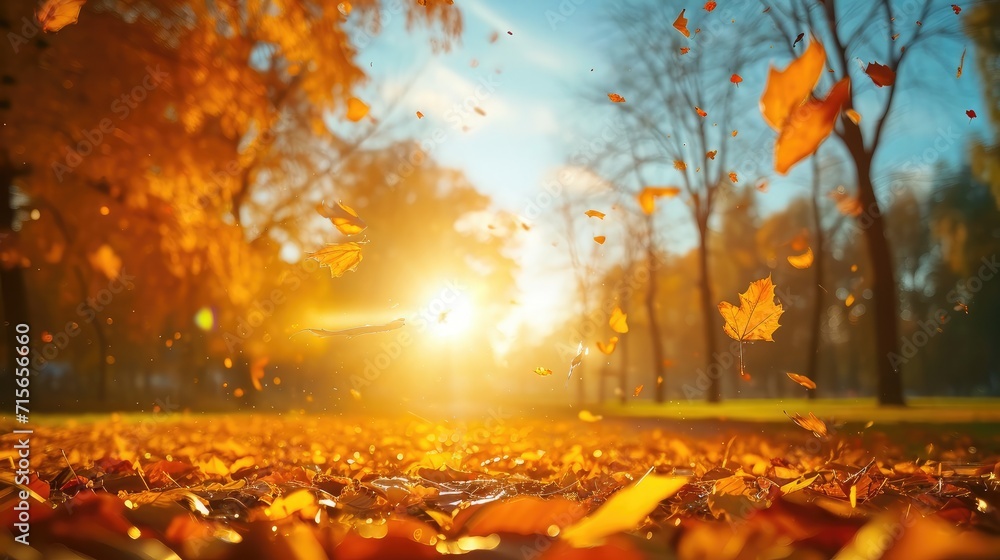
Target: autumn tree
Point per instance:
(893, 35)
(684, 108)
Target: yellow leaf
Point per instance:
(624, 511)
(595, 214)
(257, 372)
(853, 115)
(56, 14)
(757, 316)
(608, 348)
(341, 258)
(356, 109)
(648, 195)
(298, 501)
(343, 217)
(854, 496)
(588, 416)
(805, 260)
(106, 261)
(796, 485)
(801, 380)
(543, 371)
(811, 423)
(618, 321)
(787, 89)
(355, 394)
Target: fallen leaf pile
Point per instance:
(303, 487)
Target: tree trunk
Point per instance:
(889, 380)
(654, 324)
(708, 311)
(812, 367)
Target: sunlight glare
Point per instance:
(454, 320)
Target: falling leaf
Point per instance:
(648, 195)
(623, 511)
(971, 114)
(757, 316)
(56, 14)
(357, 331)
(420, 115)
(588, 416)
(543, 371)
(801, 483)
(961, 64)
(853, 115)
(880, 74)
(736, 79)
(343, 217)
(956, 8)
(356, 109)
(480, 111)
(106, 261)
(638, 389)
(344, 8)
(608, 348)
(700, 112)
(803, 261)
(811, 423)
(733, 177)
(600, 239)
(798, 39)
(577, 360)
(762, 185)
(355, 394)
(712, 154)
(340, 257)
(595, 214)
(849, 301)
(685, 50)
(494, 36)
(801, 380)
(679, 165)
(710, 5)
(735, 132)
(615, 98)
(788, 89)
(618, 321)
(680, 24)
(846, 204)
(257, 371)
(809, 126)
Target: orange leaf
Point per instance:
(711, 155)
(600, 239)
(685, 50)
(420, 115)
(608, 348)
(880, 74)
(56, 14)
(647, 197)
(732, 177)
(710, 5)
(853, 115)
(341, 258)
(700, 112)
(757, 316)
(679, 165)
(846, 204)
(638, 388)
(343, 217)
(257, 371)
(811, 423)
(808, 126)
(802, 380)
(680, 24)
(356, 109)
(787, 89)
(618, 321)
(615, 98)
(543, 371)
(955, 8)
(595, 214)
(736, 79)
(735, 132)
(805, 260)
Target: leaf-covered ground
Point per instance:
(269, 486)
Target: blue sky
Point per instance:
(542, 89)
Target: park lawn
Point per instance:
(918, 410)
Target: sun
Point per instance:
(455, 320)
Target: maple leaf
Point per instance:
(56, 14)
(880, 74)
(340, 257)
(680, 24)
(356, 109)
(757, 316)
(805, 260)
(801, 380)
(648, 195)
(787, 89)
(608, 348)
(615, 98)
(343, 217)
(595, 214)
(618, 321)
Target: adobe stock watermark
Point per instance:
(392, 349)
(87, 311)
(910, 346)
(93, 138)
